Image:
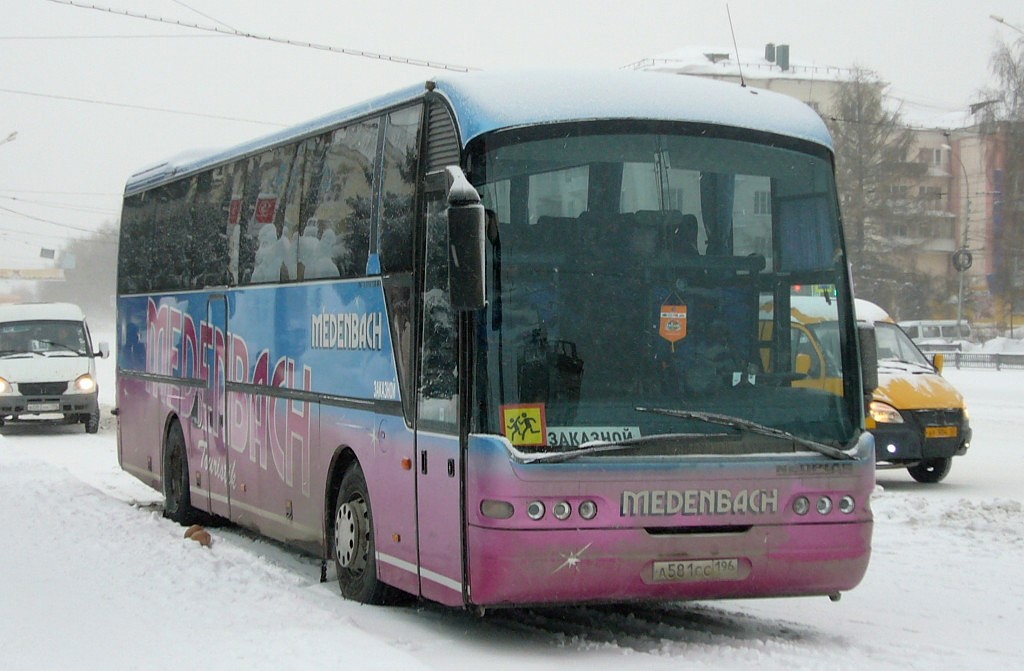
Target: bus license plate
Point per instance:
(940, 432)
(696, 570)
(42, 407)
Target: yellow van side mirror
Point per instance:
(938, 359)
(802, 365)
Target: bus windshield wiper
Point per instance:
(754, 427)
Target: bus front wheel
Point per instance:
(354, 541)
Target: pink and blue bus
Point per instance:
(496, 340)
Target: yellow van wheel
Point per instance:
(931, 470)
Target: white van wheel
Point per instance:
(92, 421)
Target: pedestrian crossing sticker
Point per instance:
(524, 424)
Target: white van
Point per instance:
(47, 365)
(937, 335)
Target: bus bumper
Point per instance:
(524, 567)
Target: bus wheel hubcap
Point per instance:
(351, 535)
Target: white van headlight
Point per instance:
(883, 413)
(84, 384)
(5, 386)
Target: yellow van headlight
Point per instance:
(85, 384)
(883, 413)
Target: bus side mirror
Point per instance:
(868, 359)
(467, 232)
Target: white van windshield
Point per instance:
(43, 337)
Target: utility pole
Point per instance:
(962, 258)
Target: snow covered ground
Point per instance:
(93, 578)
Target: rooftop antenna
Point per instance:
(739, 65)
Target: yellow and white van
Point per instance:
(919, 420)
(47, 365)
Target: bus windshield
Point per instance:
(630, 269)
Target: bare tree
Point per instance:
(90, 279)
(1004, 122)
(873, 174)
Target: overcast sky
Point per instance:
(95, 95)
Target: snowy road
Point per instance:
(92, 577)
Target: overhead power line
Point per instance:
(205, 16)
(270, 38)
(62, 38)
(140, 107)
(47, 221)
(49, 192)
(60, 206)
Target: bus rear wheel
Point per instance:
(931, 470)
(354, 542)
(177, 497)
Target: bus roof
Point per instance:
(487, 101)
(484, 102)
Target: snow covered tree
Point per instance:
(874, 174)
(1004, 123)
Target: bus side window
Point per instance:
(314, 243)
(208, 239)
(167, 268)
(438, 384)
(266, 255)
(343, 207)
(401, 159)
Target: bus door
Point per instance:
(438, 452)
(216, 464)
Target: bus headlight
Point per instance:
(588, 510)
(824, 505)
(535, 510)
(847, 504)
(801, 506)
(562, 510)
(883, 413)
(85, 384)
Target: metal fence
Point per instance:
(996, 360)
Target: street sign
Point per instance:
(962, 259)
(32, 274)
